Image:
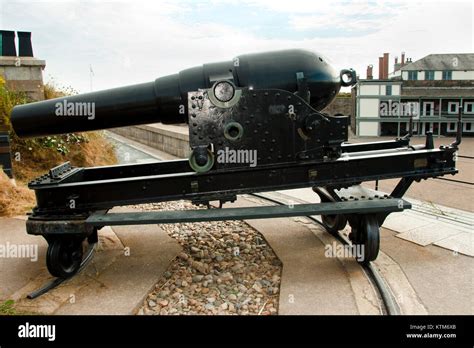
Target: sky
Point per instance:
(134, 41)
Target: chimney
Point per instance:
(385, 66)
(24, 44)
(403, 59)
(370, 75)
(397, 65)
(380, 68)
(7, 43)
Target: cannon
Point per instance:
(166, 99)
(255, 124)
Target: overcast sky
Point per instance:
(129, 42)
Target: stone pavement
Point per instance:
(126, 266)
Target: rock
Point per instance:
(197, 278)
(205, 290)
(211, 299)
(219, 258)
(209, 306)
(195, 250)
(224, 306)
(164, 293)
(232, 297)
(167, 274)
(242, 288)
(199, 266)
(238, 268)
(227, 276)
(184, 283)
(151, 303)
(183, 256)
(163, 303)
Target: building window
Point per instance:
(469, 107)
(452, 126)
(428, 108)
(412, 75)
(453, 107)
(429, 75)
(388, 90)
(447, 75)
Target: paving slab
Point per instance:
(429, 234)
(443, 280)
(401, 222)
(461, 243)
(16, 272)
(129, 260)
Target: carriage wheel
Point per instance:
(334, 223)
(369, 236)
(64, 257)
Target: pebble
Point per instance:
(197, 278)
(209, 306)
(183, 256)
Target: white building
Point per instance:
(433, 90)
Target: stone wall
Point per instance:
(24, 74)
(172, 140)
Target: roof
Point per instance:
(454, 61)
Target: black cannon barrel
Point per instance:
(165, 99)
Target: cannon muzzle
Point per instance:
(165, 99)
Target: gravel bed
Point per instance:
(226, 267)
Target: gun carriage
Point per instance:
(269, 103)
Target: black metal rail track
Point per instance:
(58, 281)
(457, 181)
(389, 304)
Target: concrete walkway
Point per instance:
(426, 274)
(312, 283)
(126, 266)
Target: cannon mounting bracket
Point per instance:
(261, 127)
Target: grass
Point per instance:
(34, 157)
(6, 308)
